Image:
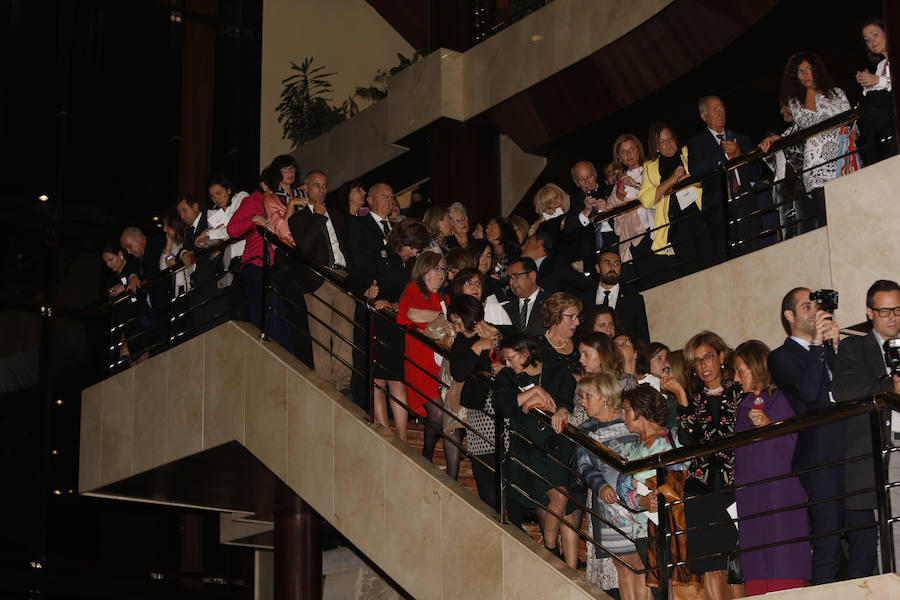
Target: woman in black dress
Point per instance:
(393, 270)
(525, 382)
(708, 410)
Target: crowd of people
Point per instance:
(553, 311)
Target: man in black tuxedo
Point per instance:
(153, 301)
(631, 314)
(802, 368)
(708, 150)
(319, 232)
(554, 273)
(860, 370)
(578, 229)
(365, 244)
(194, 217)
(524, 309)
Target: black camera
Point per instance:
(892, 356)
(826, 300)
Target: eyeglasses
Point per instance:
(573, 317)
(440, 268)
(705, 360)
(509, 357)
(886, 312)
(517, 275)
(474, 282)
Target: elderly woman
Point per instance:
(420, 303)
(644, 413)
(784, 566)
(551, 203)
(437, 222)
(667, 166)
(707, 411)
(600, 397)
(526, 382)
(459, 225)
(633, 226)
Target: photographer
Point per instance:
(803, 368)
(861, 369)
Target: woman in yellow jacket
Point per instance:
(669, 166)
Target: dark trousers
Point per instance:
(811, 211)
(486, 479)
(278, 329)
(831, 516)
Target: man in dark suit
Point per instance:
(554, 273)
(365, 245)
(708, 150)
(860, 370)
(524, 309)
(802, 368)
(579, 231)
(631, 314)
(153, 301)
(195, 219)
(320, 234)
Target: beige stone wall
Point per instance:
(863, 234)
(347, 36)
(226, 385)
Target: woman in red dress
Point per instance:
(419, 305)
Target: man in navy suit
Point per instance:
(365, 243)
(803, 368)
(631, 313)
(708, 150)
(860, 370)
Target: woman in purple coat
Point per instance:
(777, 567)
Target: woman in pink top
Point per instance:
(283, 196)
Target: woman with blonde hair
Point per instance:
(634, 226)
(437, 222)
(551, 203)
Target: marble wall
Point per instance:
(383, 496)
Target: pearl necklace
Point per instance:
(564, 342)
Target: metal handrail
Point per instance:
(739, 161)
(174, 269)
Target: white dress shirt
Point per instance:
(613, 295)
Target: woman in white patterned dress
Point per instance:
(807, 89)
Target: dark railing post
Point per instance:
(727, 211)
(372, 315)
(663, 555)
(170, 330)
(500, 466)
(882, 499)
(264, 335)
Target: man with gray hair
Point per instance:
(153, 301)
(707, 151)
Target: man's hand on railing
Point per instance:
(134, 282)
(187, 257)
(201, 240)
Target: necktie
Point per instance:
(606, 298)
(384, 226)
(523, 314)
(734, 180)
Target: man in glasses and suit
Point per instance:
(860, 369)
(524, 308)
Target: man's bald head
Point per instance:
(133, 241)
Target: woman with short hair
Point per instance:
(459, 222)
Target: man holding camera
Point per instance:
(868, 365)
(803, 368)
